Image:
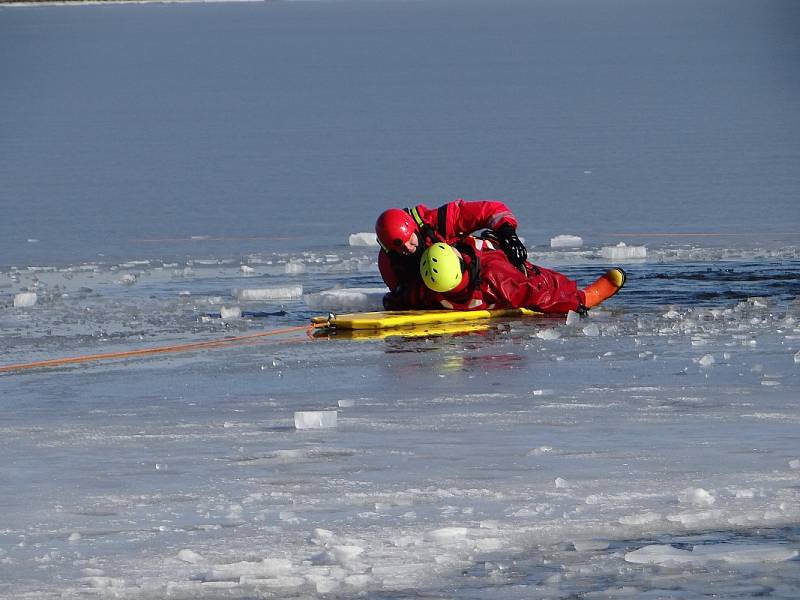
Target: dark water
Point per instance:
(127, 130)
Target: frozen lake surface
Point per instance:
(651, 447)
(203, 179)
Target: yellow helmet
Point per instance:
(440, 267)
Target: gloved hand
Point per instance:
(389, 301)
(395, 300)
(512, 246)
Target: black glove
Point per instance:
(512, 246)
(389, 301)
(395, 300)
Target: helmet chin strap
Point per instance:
(465, 282)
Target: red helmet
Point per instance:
(394, 228)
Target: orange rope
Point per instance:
(189, 346)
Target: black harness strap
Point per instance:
(441, 219)
(429, 234)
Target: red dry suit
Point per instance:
(448, 223)
(501, 285)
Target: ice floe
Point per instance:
(368, 239)
(531, 452)
(25, 299)
(268, 294)
(566, 241)
(315, 419)
(699, 555)
(230, 313)
(623, 252)
(346, 299)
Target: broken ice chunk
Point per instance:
(288, 292)
(346, 299)
(566, 241)
(696, 496)
(448, 535)
(189, 556)
(363, 239)
(589, 545)
(658, 554)
(591, 330)
(315, 419)
(706, 361)
(226, 313)
(640, 519)
(25, 299)
(295, 267)
(623, 251)
(548, 334)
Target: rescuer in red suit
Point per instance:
(473, 275)
(404, 234)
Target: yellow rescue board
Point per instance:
(394, 319)
(434, 329)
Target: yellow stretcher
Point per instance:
(449, 320)
(412, 319)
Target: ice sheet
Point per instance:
(530, 454)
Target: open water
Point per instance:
(160, 162)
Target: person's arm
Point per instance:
(388, 273)
(406, 290)
(465, 217)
